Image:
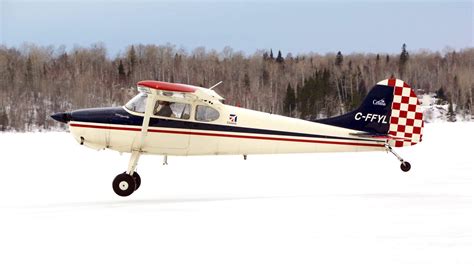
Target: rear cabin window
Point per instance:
(172, 109)
(206, 113)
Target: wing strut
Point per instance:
(138, 149)
(150, 105)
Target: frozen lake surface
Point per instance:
(57, 206)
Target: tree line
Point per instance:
(36, 81)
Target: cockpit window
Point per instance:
(206, 113)
(137, 103)
(172, 109)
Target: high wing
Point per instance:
(167, 89)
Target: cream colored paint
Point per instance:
(189, 144)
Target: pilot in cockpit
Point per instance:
(163, 109)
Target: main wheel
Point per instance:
(123, 185)
(138, 180)
(405, 166)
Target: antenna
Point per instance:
(217, 84)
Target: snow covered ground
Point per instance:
(57, 206)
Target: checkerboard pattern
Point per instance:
(406, 120)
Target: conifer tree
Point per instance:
(451, 115)
(339, 59)
(403, 60)
(121, 72)
(132, 59)
(441, 96)
(3, 119)
(289, 104)
(279, 58)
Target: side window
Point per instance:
(186, 111)
(172, 109)
(206, 113)
(181, 110)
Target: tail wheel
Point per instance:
(138, 180)
(405, 166)
(124, 185)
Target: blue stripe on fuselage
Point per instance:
(118, 116)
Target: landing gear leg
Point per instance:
(127, 182)
(165, 159)
(132, 163)
(405, 166)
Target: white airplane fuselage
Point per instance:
(252, 132)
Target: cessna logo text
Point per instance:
(122, 116)
(371, 117)
(380, 102)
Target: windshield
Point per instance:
(137, 103)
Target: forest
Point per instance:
(36, 81)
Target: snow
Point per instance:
(57, 206)
(435, 112)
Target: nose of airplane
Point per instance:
(62, 117)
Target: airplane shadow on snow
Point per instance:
(140, 202)
(127, 203)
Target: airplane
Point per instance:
(178, 119)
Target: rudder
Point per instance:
(406, 118)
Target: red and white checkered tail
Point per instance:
(406, 118)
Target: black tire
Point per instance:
(138, 180)
(123, 185)
(405, 166)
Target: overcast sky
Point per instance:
(297, 27)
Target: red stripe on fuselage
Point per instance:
(229, 135)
